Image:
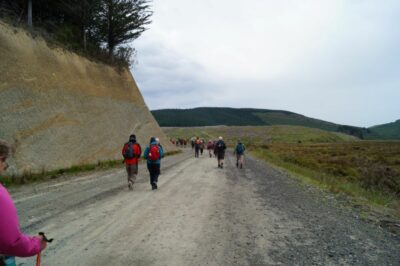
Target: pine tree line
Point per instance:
(100, 28)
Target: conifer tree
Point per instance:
(122, 21)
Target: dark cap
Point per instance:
(132, 137)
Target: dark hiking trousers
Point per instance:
(154, 169)
(221, 155)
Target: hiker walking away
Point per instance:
(201, 146)
(192, 140)
(210, 147)
(12, 241)
(215, 151)
(219, 150)
(239, 151)
(161, 147)
(153, 154)
(131, 152)
(197, 143)
(184, 143)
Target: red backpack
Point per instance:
(154, 153)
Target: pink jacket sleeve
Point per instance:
(12, 241)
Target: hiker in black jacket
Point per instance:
(219, 150)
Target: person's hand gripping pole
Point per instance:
(44, 241)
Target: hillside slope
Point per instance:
(59, 109)
(388, 131)
(212, 116)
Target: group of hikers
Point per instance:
(153, 153)
(217, 148)
(179, 142)
(14, 243)
(198, 146)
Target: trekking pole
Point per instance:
(40, 253)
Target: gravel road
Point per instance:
(200, 215)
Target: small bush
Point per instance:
(380, 177)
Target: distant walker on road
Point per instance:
(219, 150)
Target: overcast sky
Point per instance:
(336, 60)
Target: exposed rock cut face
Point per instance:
(59, 109)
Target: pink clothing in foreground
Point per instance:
(12, 241)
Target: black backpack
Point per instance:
(129, 154)
(220, 145)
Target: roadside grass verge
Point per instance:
(28, 177)
(365, 170)
(170, 153)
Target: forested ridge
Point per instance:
(100, 29)
(212, 116)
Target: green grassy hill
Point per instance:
(207, 116)
(212, 116)
(387, 131)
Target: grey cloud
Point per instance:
(168, 80)
(348, 75)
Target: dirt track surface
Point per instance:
(200, 215)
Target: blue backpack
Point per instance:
(240, 148)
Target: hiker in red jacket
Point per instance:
(131, 152)
(12, 241)
(197, 143)
(210, 147)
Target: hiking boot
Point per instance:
(130, 185)
(237, 164)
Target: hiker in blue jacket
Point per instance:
(153, 155)
(239, 151)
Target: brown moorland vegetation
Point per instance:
(364, 168)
